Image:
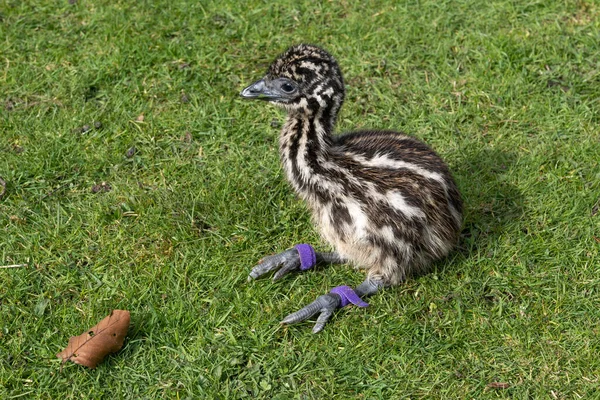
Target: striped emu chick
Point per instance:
(385, 201)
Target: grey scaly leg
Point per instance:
(288, 261)
(326, 304)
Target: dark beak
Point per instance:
(259, 90)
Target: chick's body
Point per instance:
(385, 201)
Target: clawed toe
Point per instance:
(284, 262)
(301, 257)
(324, 305)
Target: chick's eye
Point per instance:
(287, 87)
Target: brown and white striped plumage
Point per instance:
(385, 201)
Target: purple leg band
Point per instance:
(348, 296)
(308, 257)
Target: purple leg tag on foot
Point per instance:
(348, 296)
(308, 257)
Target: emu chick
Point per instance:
(385, 202)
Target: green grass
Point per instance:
(507, 91)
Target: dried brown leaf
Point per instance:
(102, 187)
(90, 348)
(498, 385)
(187, 137)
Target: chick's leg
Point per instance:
(301, 257)
(326, 304)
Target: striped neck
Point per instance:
(304, 145)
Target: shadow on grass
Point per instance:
(491, 202)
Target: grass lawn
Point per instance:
(137, 179)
